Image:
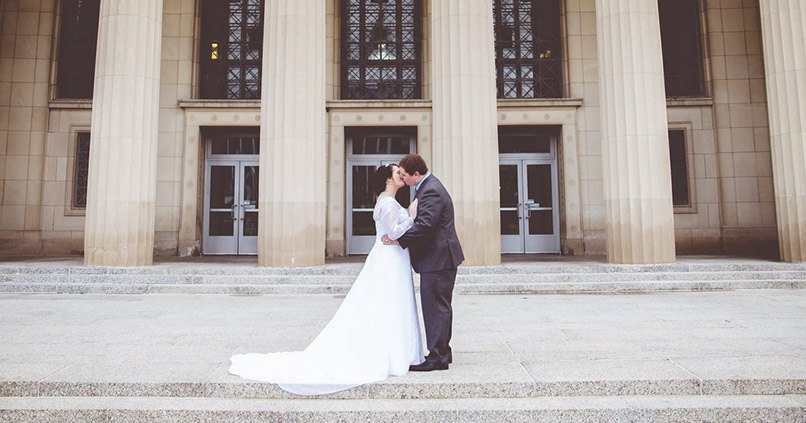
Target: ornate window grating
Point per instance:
(78, 35)
(528, 48)
(682, 47)
(231, 49)
(82, 170)
(380, 49)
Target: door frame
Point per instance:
(533, 243)
(237, 244)
(542, 243)
(362, 244)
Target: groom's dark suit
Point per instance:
(435, 255)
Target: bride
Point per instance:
(376, 330)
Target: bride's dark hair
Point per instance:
(378, 181)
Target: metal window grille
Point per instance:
(380, 49)
(78, 35)
(528, 48)
(82, 170)
(231, 49)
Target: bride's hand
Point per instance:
(413, 209)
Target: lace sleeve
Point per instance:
(394, 222)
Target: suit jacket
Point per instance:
(432, 241)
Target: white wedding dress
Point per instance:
(375, 332)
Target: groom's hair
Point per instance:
(413, 163)
(379, 178)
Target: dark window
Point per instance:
(526, 139)
(677, 156)
(380, 49)
(78, 35)
(682, 51)
(233, 140)
(386, 141)
(82, 170)
(230, 48)
(528, 51)
(236, 145)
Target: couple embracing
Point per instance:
(376, 330)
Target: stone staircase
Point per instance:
(679, 357)
(571, 401)
(71, 277)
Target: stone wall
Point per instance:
(727, 133)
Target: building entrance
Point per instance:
(231, 194)
(368, 148)
(530, 218)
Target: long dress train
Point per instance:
(375, 332)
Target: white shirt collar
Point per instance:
(416, 187)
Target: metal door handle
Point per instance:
(520, 212)
(243, 211)
(233, 211)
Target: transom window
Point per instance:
(682, 47)
(78, 35)
(380, 49)
(232, 140)
(528, 51)
(231, 48)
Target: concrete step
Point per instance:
(482, 278)
(70, 276)
(392, 389)
(465, 284)
(781, 408)
(75, 266)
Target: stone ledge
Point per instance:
(782, 409)
(202, 268)
(341, 285)
(390, 389)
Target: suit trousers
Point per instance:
(436, 294)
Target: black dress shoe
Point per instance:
(428, 366)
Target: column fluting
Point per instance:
(635, 149)
(783, 30)
(465, 132)
(292, 220)
(119, 223)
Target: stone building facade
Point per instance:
(636, 129)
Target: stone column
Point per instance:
(783, 29)
(635, 146)
(119, 228)
(291, 226)
(465, 133)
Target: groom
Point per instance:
(435, 255)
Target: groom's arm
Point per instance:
(428, 209)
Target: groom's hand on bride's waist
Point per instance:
(388, 241)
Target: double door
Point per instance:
(530, 219)
(361, 235)
(231, 207)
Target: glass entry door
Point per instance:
(360, 223)
(530, 218)
(368, 148)
(230, 207)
